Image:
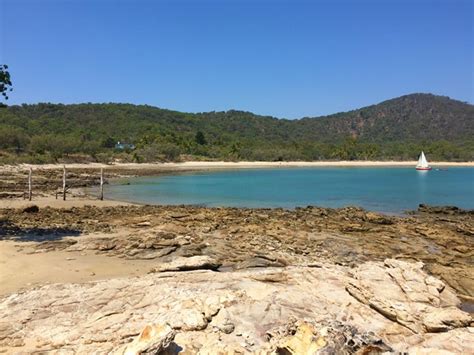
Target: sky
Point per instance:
(287, 59)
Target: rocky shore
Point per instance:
(377, 307)
(240, 238)
(309, 280)
(90, 276)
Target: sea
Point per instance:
(392, 190)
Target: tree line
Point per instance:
(395, 130)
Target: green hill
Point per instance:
(394, 129)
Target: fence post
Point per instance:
(101, 184)
(29, 185)
(64, 182)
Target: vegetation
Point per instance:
(395, 129)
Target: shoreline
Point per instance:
(198, 165)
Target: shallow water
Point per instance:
(390, 190)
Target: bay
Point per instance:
(390, 190)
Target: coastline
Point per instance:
(205, 165)
(240, 164)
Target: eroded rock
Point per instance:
(152, 339)
(199, 262)
(306, 309)
(402, 292)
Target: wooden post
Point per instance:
(101, 184)
(64, 182)
(29, 185)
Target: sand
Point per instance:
(202, 165)
(21, 270)
(51, 201)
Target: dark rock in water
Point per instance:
(31, 209)
(452, 210)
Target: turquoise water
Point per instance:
(390, 190)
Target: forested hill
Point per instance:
(416, 117)
(394, 129)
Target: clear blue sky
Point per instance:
(283, 58)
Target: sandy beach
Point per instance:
(51, 201)
(40, 268)
(204, 165)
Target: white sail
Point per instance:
(422, 162)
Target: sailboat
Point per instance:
(422, 163)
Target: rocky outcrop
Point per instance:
(330, 338)
(451, 210)
(404, 293)
(248, 238)
(199, 262)
(391, 305)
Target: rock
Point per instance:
(206, 310)
(332, 337)
(260, 261)
(150, 253)
(189, 319)
(106, 245)
(31, 209)
(223, 322)
(143, 224)
(451, 210)
(305, 341)
(402, 292)
(152, 339)
(199, 262)
(347, 236)
(377, 218)
(446, 319)
(178, 215)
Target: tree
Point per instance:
(200, 138)
(108, 142)
(5, 82)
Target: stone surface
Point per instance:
(291, 308)
(152, 339)
(198, 262)
(246, 238)
(404, 293)
(306, 340)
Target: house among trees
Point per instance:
(124, 146)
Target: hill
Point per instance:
(415, 117)
(394, 129)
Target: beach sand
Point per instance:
(51, 201)
(22, 267)
(204, 165)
